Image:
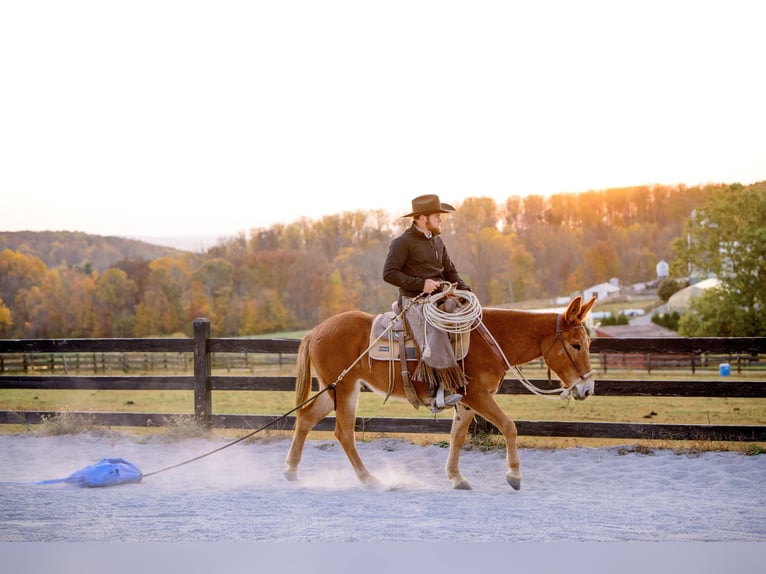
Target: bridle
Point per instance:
(582, 376)
(562, 392)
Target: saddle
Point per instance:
(389, 341)
(386, 347)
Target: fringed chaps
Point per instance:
(437, 363)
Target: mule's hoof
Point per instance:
(514, 482)
(461, 484)
(291, 474)
(370, 481)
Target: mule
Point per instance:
(336, 345)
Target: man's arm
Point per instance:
(392, 268)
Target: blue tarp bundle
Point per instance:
(106, 472)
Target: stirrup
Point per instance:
(441, 401)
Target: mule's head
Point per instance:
(567, 352)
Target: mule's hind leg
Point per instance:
(306, 419)
(345, 423)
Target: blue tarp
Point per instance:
(106, 472)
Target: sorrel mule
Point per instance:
(523, 336)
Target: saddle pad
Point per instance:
(386, 348)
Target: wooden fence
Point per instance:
(202, 349)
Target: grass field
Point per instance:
(672, 410)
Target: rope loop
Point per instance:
(465, 316)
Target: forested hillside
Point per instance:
(290, 276)
(78, 249)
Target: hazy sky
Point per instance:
(149, 118)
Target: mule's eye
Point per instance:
(576, 347)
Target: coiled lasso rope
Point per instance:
(465, 317)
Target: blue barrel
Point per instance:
(724, 369)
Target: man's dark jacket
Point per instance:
(412, 258)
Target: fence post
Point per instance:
(202, 399)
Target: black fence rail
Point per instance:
(135, 363)
(206, 353)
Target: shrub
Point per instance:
(667, 320)
(667, 288)
(613, 319)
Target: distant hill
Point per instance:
(193, 243)
(75, 248)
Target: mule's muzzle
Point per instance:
(584, 389)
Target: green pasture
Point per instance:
(672, 410)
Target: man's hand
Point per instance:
(430, 286)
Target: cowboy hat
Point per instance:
(428, 204)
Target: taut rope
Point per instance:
(529, 385)
(296, 408)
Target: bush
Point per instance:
(667, 320)
(613, 319)
(667, 288)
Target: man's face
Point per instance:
(434, 222)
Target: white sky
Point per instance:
(159, 117)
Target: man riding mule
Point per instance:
(417, 263)
(337, 351)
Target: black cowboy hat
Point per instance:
(426, 204)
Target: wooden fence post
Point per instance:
(202, 396)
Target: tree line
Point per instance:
(291, 276)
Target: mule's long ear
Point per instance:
(585, 308)
(573, 310)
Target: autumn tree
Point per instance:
(304, 291)
(336, 296)
(265, 314)
(549, 257)
(211, 288)
(17, 272)
(474, 243)
(51, 313)
(601, 262)
(115, 312)
(6, 319)
(161, 310)
(28, 314)
(81, 314)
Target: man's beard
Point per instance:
(434, 229)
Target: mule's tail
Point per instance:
(303, 376)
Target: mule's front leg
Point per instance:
(487, 407)
(461, 420)
(513, 476)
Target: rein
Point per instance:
(583, 376)
(562, 393)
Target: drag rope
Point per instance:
(247, 436)
(296, 408)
